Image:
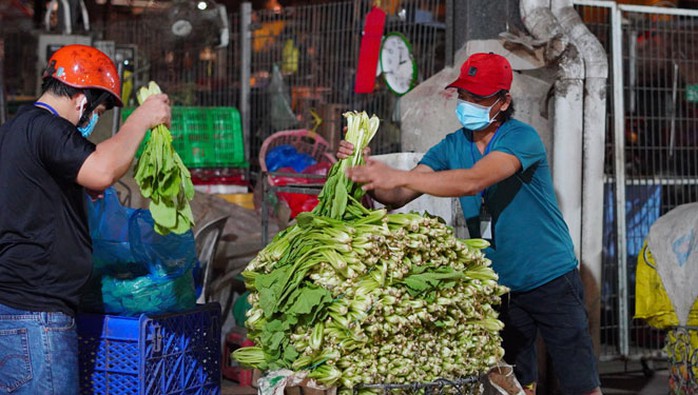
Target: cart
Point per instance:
(682, 352)
(472, 385)
(304, 141)
(462, 386)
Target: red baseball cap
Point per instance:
(484, 74)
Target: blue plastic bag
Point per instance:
(287, 156)
(136, 270)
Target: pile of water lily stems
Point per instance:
(357, 296)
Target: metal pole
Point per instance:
(619, 165)
(3, 110)
(674, 110)
(265, 208)
(116, 121)
(449, 33)
(632, 71)
(683, 12)
(245, 72)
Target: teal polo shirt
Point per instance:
(531, 244)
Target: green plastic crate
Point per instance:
(204, 137)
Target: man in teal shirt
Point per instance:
(498, 168)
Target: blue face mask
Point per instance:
(474, 116)
(87, 130)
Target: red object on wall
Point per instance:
(369, 51)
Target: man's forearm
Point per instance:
(120, 149)
(394, 198)
(112, 158)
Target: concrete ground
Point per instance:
(629, 378)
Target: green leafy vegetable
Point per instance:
(339, 191)
(163, 178)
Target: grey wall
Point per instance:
(483, 19)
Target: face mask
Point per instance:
(87, 130)
(474, 116)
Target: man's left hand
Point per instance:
(375, 175)
(94, 195)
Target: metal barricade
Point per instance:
(651, 150)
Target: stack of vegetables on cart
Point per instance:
(357, 296)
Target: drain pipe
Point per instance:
(538, 18)
(542, 25)
(596, 69)
(567, 141)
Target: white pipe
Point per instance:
(567, 126)
(85, 16)
(567, 141)
(67, 17)
(542, 25)
(596, 70)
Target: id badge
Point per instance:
(485, 224)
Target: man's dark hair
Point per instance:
(95, 97)
(56, 87)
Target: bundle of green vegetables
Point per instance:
(358, 296)
(339, 192)
(163, 178)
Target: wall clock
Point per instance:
(397, 63)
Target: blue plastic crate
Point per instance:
(176, 353)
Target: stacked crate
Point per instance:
(174, 353)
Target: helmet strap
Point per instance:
(50, 69)
(92, 103)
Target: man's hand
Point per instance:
(346, 149)
(154, 111)
(94, 195)
(376, 175)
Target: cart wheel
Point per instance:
(647, 368)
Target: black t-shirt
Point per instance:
(45, 245)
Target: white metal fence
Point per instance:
(652, 149)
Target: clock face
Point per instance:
(397, 63)
(182, 28)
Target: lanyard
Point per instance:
(487, 151)
(46, 106)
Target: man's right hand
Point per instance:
(154, 111)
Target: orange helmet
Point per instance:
(82, 66)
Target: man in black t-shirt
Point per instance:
(46, 164)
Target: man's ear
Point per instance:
(507, 102)
(79, 101)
